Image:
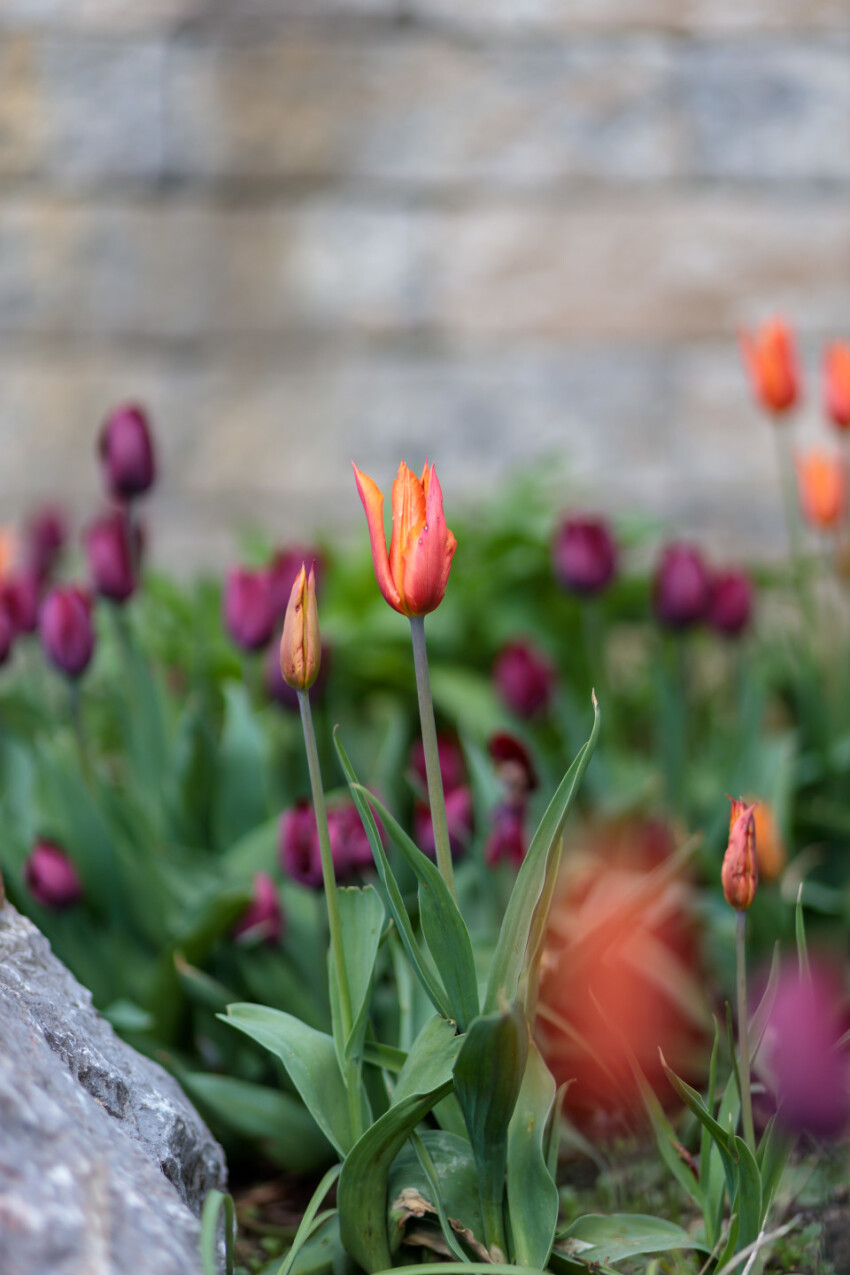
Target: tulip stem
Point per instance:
(744, 1031)
(436, 797)
(75, 701)
(334, 922)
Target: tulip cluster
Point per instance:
(686, 592)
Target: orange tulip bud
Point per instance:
(414, 575)
(771, 361)
(740, 871)
(823, 488)
(300, 647)
(836, 367)
(771, 851)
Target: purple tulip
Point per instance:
(513, 764)
(65, 629)
(682, 587)
(584, 555)
(298, 846)
(20, 595)
(452, 764)
(51, 877)
(731, 604)
(249, 615)
(506, 839)
(126, 452)
(811, 1071)
(110, 558)
(44, 539)
(262, 921)
(459, 817)
(524, 679)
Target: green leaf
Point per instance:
(419, 960)
(216, 1203)
(532, 1192)
(362, 1194)
(456, 1179)
(431, 1060)
(361, 915)
(442, 924)
(310, 1061)
(310, 1222)
(722, 1139)
(600, 1238)
(747, 1201)
(240, 798)
(510, 954)
(276, 1120)
(488, 1075)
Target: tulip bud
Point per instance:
(681, 588)
(263, 919)
(513, 764)
(44, 538)
(823, 489)
(524, 679)
(731, 603)
(836, 366)
(19, 594)
(298, 845)
(126, 452)
(740, 872)
(584, 555)
(248, 613)
(65, 629)
(110, 558)
(506, 839)
(51, 877)
(300, 647)
(771, 361)
(283, 571)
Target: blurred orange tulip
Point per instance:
(836, 367)
(740, 872)
(823, 488)
(771, 852)
(771, 361)
(413, 577)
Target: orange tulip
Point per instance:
(771, 851)
(823, 488)
(300, 646)
(836, 367)
(413, 577)
(771, 361)
(740, 872)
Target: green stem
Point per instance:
(744, 1031)
(75, 702)
(334, 922)
(436, 797)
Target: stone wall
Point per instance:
(478, 230)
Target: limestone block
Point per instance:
(103, 1162)
(100, 16)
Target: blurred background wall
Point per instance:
(484, 231)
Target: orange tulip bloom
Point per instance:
(836, 367)
(823, 488)
(300, 645)
(740, 872)
(413, 577)
(771, 361)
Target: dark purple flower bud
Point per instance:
(248, 613)
(350, 846)
(682, 587)
(51, 877)
(811, 1070)
(459, 817)
(283, 569)
(7, 634)
(298, 846)
(20, 595)
(262, 921)
(731, 604)
(44, 538)
(65, 629)
(513, 763)
(506, 839)
(452, 764)
(524, 679)
(126, 452)
(109, 557)
(584, 555)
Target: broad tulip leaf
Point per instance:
(431, 1060)
(598, 1238)
(361, 915)
(722, 1139)
(442, 924)
(748, 1198)
(362, 1193)
(488, 1075)
(532, 1193)
(240, 798)
(510, 955)
(419, 960)
(456, 1180)
(310, 1061)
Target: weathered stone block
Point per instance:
(103, 1162)
(95, 16)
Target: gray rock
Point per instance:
(104, 1164)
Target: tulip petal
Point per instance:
(428, 557)
(373, 503)
(408, 521)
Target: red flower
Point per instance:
(771, 361)
(836, 367)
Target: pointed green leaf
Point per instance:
(510, 954)
(597, 1238)
(455, 1177)
(747, 1202)
(431, 1060)
(532, 1193)
(361, 915)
